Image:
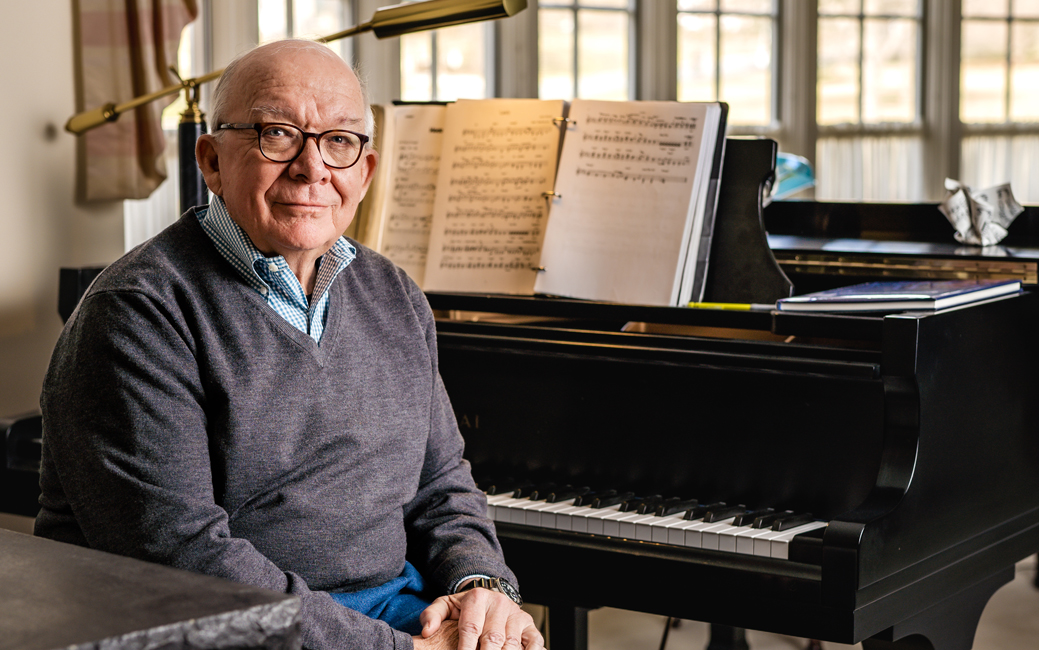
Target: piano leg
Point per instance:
(948, 625)
(724, 637)
(567, 627)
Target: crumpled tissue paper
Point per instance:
(980, 217)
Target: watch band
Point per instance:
(496, 584)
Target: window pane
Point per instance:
(889, 71)
(461, 71)
(696, 64)
(317, 18)
(983, 71)
(746, 70)
(273, 20)
(985, 8)
(840, 7)
(697, 5)
(555, 54)
(748, 6)
(838, 83)
(891, 7)
(602, 57)
(612, 4)
(1024, 83)
(416, 67)
(1026, 8)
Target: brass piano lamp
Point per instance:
(386, 22)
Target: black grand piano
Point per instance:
(889, 461)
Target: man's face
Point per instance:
(302, 206)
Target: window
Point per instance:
(999, 94)
(868, 100)
(446, 64)
(584, 49)
(305, 19)
(726, 51)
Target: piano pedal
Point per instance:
(814, 644)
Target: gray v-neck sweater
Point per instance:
(186, 423)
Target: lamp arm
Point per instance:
(386, 22)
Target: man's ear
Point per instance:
(208, 159)
(368, 162)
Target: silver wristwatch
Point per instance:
(496, 584)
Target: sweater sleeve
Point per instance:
(127, 461)
(450, 535)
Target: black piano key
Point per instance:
(723, 513)
(792, 521)
(526, 491)
(765, 521)
(566, 493)
(612, 500)
(588, 498)
(747, 518)
(699, 511)
(651, 504)
(632, 505)
(669, 507)
(504, 487)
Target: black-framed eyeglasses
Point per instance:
(284, 143)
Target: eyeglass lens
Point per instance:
(282, 143)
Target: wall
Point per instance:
(41, 228)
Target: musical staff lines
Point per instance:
(638, 177)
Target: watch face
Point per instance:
(510, 591)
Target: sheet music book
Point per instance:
(398, 211)
(900, 296)
(478, 207)
(633, 194)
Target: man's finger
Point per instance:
(475, 604)
(432, 616)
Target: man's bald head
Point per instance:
(232, 87)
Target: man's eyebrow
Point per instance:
(275, 114)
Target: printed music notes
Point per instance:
(498, 159)
(634, 180)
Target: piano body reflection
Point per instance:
(851, 478)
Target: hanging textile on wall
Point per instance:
(124, 49)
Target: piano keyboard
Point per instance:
(716, 526)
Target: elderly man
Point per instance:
(252, 396)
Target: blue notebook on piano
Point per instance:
(923, 295)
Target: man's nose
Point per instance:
(308, 165)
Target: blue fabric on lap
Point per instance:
(398, 602)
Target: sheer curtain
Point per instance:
(873, 168)
(988, 160)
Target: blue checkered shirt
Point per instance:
(271, 277)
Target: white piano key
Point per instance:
(745, 539)
(503, 509)
(727, 537)
(620, 525)
(536, 515)
(657, 528)
(694, 532)
(763, 544)
(565, 517)
(548, 515)
(593, 521)
(709, 534)
(780, 545)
